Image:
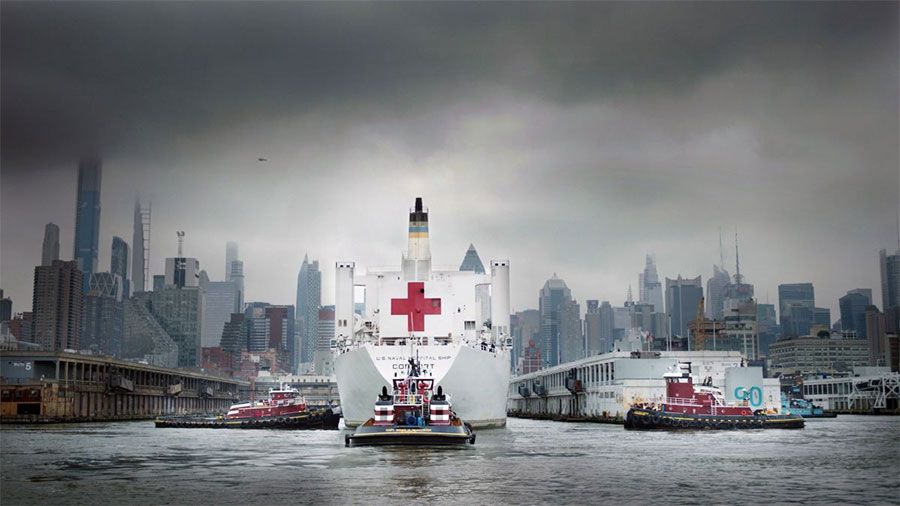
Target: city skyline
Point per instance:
(584, 179)
(103, 256)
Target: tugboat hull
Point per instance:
(370, 434)
(323, 419)
(650, 419)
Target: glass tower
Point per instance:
(87, 217)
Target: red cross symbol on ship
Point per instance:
(415, 306)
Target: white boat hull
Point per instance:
(476, 380)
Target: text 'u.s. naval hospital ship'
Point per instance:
(434, 318)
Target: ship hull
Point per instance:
(648, 419)
(370, 434)
(476, 380)
(308, 420)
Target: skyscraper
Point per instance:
(87, 217)
(179, 310)
(592, 335)
(143, 337)
(740, 332)
(876, 335)
(281, 327)
(50, 249)
(796, 308)
(642, 317)
(853, 310)
(737, 292)
(231, 255)
(560, 335)
(572, 331)
(140, 241)
(119, 263)
(715, 292)
(650, 289)
(890, 289)
(309, 298)
(322, 357)
(682, 302)
(5, 308)
(237, 277)
(607, 326)
(57, 304)
(525, 327)
(234, 336)
(182, 272)
(767, 326)
(822, 316)
(257, 327)
(472, 262)
(180, 305)
(220, 305)
(103, 315)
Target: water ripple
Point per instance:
(850, 459)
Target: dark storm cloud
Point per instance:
(570, 137)
(81, 75)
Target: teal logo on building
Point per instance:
(753, 395)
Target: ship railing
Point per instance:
(691, 403)
(681, 401)
(409, 399)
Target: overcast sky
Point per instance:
(568, 138)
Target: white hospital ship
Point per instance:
(435, 316)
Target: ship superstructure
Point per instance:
(434, 316)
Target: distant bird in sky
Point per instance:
(262, 159)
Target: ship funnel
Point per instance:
(417, 263)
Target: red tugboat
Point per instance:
(284, 408)
(690, 406)
(282, 402)
(413, 414)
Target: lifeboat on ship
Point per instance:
(689, 406)
(413, 413)
(283, 402)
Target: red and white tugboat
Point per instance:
(413, 414)
(281, 402)
(690, 406)
(284, 408)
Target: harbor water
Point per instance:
(851, 459)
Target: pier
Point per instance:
(47, 386)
